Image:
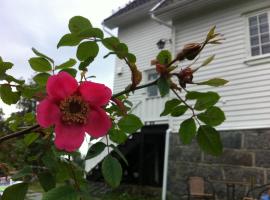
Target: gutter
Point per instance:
(165, 166)
(106, 30)
(152, 15)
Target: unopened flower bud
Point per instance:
(161, 69)
(190, 51)
(185, 76)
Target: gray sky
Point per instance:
(40, 24)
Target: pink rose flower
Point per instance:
(74, 109)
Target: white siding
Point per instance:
(141, 39)
(246, 99)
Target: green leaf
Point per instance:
(41, 78)
(209, 140)
(169, 106)
(130, 123)
(15, 192)
(110, 43)
(213, 116)
(40, 64)
(46, 180)
(211, 33)
(10, 78)
(112, 171)
(69, 40)
(91, 32)
(26, 171)
(72, 72)
(164, 57)
(163, 86)
(204, 100)
(8, 96)
(187, 130)
(65, 192)
(78, 23)
(121, 50)
(83, 65)
(216, 82)
(95, 150)
(179, 110)
(118, 136)
(207, 100)
(119, 153)
(70, 63)
(42, 55)
(4, 66)
(29, 91)
(30, 138)
(208, 60)
(87, 50)
(131, 58)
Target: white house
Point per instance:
(243, 59)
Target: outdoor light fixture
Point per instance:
(162, 42)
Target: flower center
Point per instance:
(74, 110)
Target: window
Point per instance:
(259, 34)
(152, 91)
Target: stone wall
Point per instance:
(246, 155)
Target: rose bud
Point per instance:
(190, 51)
(185, 76)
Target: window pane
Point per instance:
(255, 51)
(152, 91)
(252, 21)
(254, 41)
(253, 30)
(263, 18)
(264, 28)
(265, 38)
(152, 76)
(265, 48)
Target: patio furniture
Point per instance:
(256, 193)
(196, 188)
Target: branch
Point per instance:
(19, 133)
(137, 88)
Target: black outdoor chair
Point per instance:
(257, 192)
(196, 188)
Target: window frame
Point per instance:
(248, 35)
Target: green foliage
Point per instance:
(46, 180)
(70, 63)
(216, 82)
(42, 55)
(91, 32)
(8, 96)
(130, 123)
(26, 171)
(179, 110)
(169, 106)
(119, 153)
(69, 40)
(204, 100)
(65, 192)
(213, 116)
(95, 150)
(164, 57)
(78, 24)
(209, 140)
(87, 50)
(40, 64)
(72, 72)
(30, 138)
(187, 130)
(112, 171)
(15, 192)
(131, 58)
(41, 78)
(163, 86)
(110, 43)
(208, 60)
(117, 136)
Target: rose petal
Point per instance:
(61, 85)
(68, 137)
(47, 113)
(98, 123)
(96, 94)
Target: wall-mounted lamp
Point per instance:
(162, 42)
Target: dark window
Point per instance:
(152, 91)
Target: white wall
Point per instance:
(246, 99)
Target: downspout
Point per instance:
(165, 167)
(168, 131)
